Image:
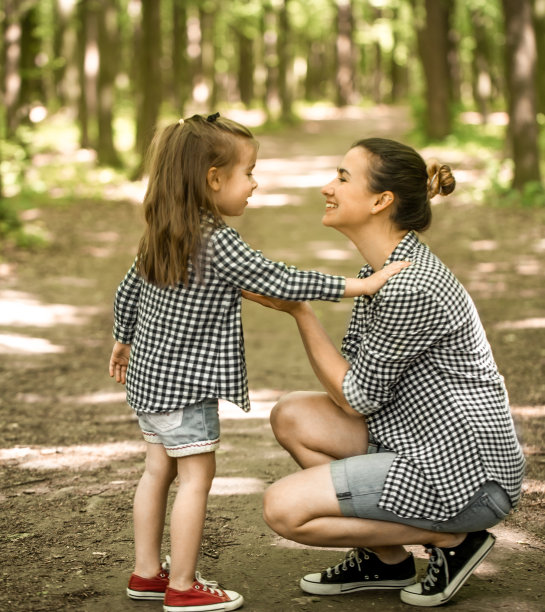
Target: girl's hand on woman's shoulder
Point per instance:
(377, 280)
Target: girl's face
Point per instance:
(231, 187)
(349, 201)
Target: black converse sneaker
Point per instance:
(448, 569)
(361, 569)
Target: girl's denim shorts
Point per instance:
(359, 481)
(192, 430)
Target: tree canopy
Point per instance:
(143, 60)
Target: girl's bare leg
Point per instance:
(150, 503)
(196, 473)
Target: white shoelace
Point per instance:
(209, 585)
(437, 561)
(352, 558)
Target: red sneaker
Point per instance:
(202, 596)
(148, 588)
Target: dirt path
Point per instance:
(70, 454)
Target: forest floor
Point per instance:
(70, 451)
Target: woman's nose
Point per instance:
(327, 189)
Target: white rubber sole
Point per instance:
(310, 584)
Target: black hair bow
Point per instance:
(213, 117)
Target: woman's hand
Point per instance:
(288, 306)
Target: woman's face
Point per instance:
(348, 199)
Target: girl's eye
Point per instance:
(341, 179)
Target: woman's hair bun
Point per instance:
(440, 179)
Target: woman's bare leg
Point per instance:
(303, 507)
(314, 430)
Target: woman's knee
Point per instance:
(285, 415)
(275, 511)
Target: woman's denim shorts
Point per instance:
(359, 482)
(192, 430)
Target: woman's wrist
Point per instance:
(300, 310)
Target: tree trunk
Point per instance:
(32, 89)
(317, 67)
(539, 27)
(271, 96)
(482, 82)
(88, 72)
(521, 56)
(149, 77)
(345, 53)
(182, 77)
(109, 52)
(66, 48)
(207, 92)
(399, 74)
(285, 63)
(245, 68)
(433, 50)
(11, 76)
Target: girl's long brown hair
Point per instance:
(177, 200)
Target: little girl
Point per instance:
(177, 313)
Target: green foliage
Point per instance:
(9, 221)
(531, 196)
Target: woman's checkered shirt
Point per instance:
(423, 374)
(187, 342)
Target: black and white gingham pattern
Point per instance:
(423, 373)
(187, 342)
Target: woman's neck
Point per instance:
(376, 245)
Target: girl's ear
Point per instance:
(213, 178)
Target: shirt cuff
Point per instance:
(122, 335)
(334, 288)
(356, 397)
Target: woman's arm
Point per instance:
(328, 364)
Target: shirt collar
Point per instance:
(402, 252)
(404, 249)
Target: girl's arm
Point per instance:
(126, 306)
(238, 264)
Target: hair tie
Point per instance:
(432, 181)
(180, 121)
(213, 117)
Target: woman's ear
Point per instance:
(213, 178)
(385, 199)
